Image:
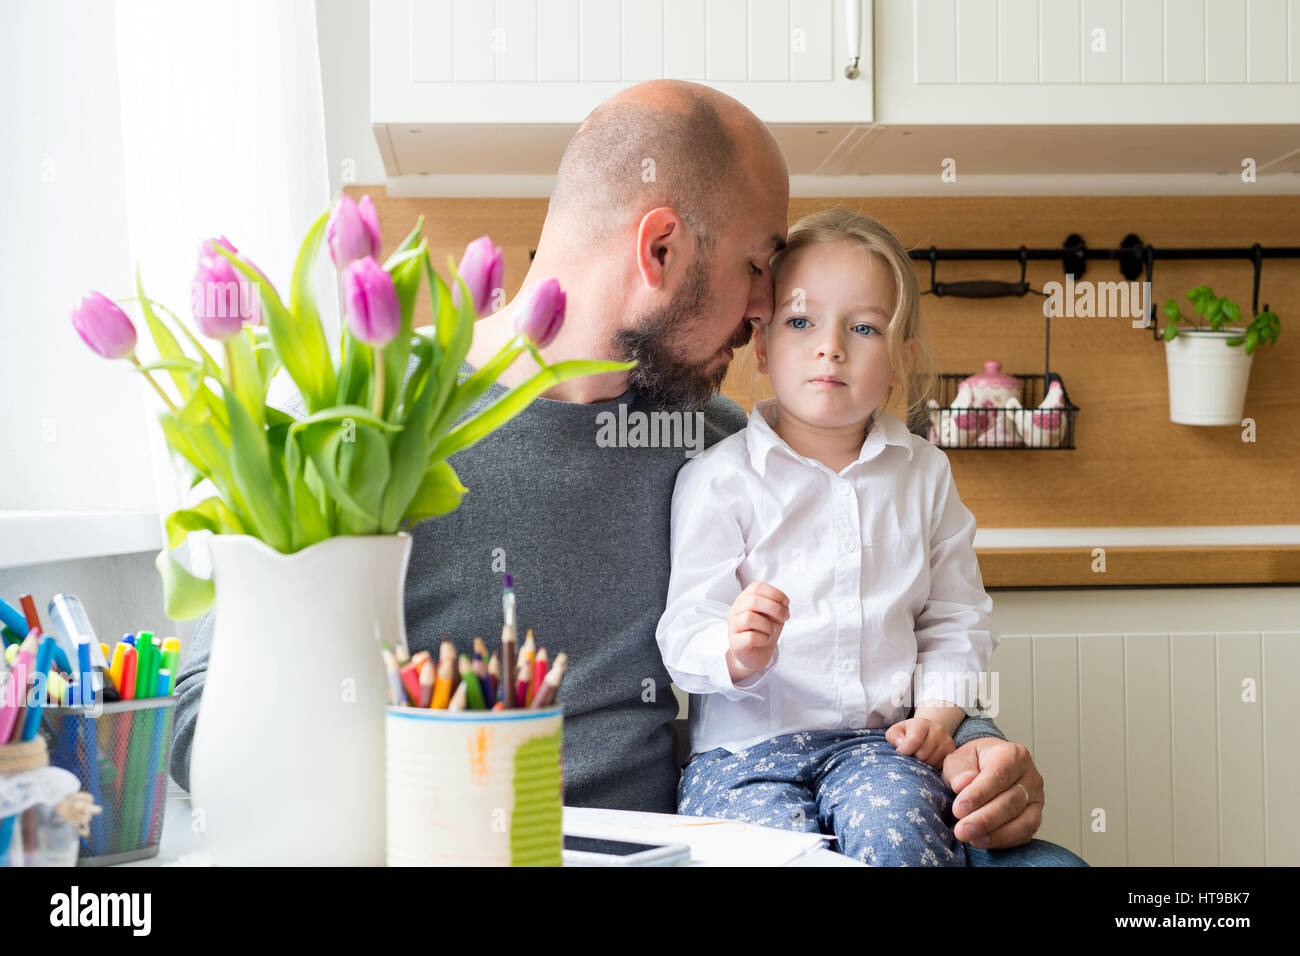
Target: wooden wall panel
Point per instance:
(1132, 466)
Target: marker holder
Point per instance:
(120, 752)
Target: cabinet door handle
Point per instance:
(853, 32)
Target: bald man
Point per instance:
(668, 202)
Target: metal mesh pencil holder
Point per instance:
(120, 752)
(1027, 428)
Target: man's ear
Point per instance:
(659, 238)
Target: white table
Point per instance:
(182, 846)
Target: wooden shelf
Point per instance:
(1140, 566)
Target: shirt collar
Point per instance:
(761, 438)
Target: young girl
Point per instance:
(824, 576)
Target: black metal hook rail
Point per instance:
(1133, 255)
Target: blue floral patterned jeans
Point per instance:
(884, 809)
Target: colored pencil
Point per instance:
(411, 679)
(545, 695)
(467, 676)
(539, 675)
(442, 689)
(396, 689)
(427, 680)
(459, 699)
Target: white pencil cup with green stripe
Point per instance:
(475, 787)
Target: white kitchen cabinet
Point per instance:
(464, 65)
(1108, 62)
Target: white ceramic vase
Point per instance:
(287, 765)
(1207, 379)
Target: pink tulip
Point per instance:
(373, 312)
(103, 326)
(542, 313)
(221, 296)
(352, 232)
(482, 268)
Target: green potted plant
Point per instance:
(1209, 365)
(309, 514)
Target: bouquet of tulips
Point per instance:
(370, 454)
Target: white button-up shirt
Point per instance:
(887, 606)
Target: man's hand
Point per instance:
(994, 812)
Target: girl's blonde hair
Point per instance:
(916, 372)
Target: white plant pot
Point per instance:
(1207, 379)
(287, 764)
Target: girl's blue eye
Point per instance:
(796, 318)
(863, 325)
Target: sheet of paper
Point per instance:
(713, 842)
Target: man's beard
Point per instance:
(666, 380)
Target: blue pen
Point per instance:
(127, 639)
(32, 717)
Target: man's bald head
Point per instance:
(696, 139)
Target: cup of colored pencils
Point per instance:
(474, 755)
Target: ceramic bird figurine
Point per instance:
(958, 428)
(1044, 427)
(1002, 432)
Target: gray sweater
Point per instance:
(575, 499)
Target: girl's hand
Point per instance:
(926, 740)
(753, 626)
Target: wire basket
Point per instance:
(1027, 428)
(120, 752)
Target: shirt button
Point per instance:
(857, 723)
(849, 605)
(846, 666)
(844, 489)
(850, 546)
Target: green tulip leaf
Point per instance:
(439, 493)
(250, 465)
(410, 451)
(406, 277)
(185, 596)
(210, 514)
(365, 465)
(513, 402)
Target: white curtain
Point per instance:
(223, 134)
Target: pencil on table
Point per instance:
(545, 695)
